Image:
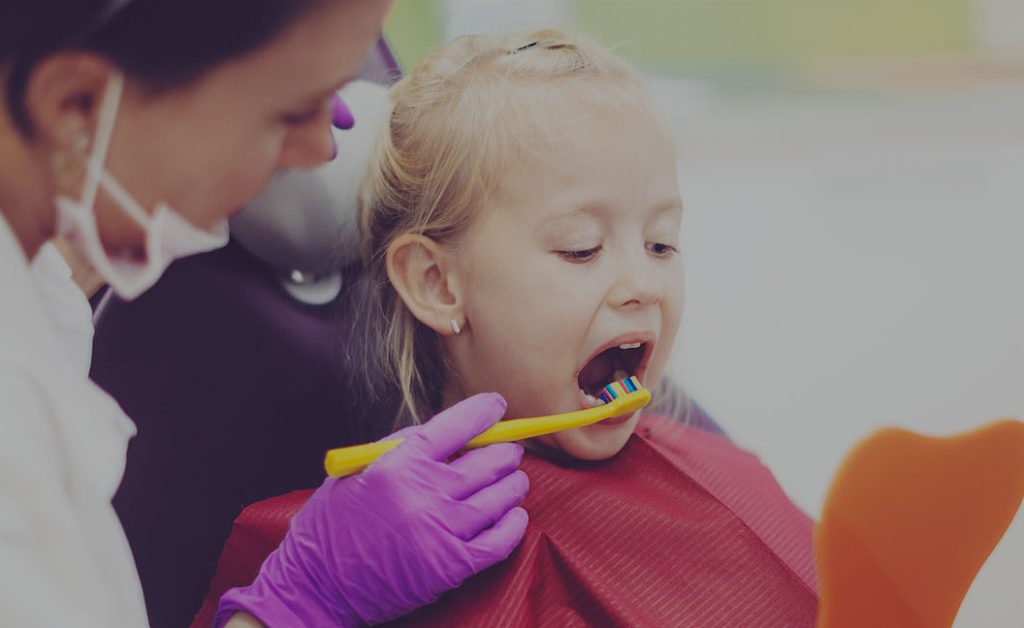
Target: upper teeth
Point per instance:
(631, 345)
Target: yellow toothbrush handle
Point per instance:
(351, 460)
(521, 429)
(346, 461)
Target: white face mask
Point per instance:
(169, 236)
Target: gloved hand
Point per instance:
(341, 115)
(341, 118)
(377, 545)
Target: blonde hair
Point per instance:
(471, 106)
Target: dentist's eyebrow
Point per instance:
(344, 81)
(320, 94)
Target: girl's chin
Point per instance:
(593, 442)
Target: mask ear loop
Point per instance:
(130, 206)
(97, 174)
(104, 131)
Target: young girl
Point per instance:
(521, 223)
(521, 220)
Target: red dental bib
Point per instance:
(681, 528)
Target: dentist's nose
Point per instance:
(309, 146)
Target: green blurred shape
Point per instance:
(674, 35)
(412, 30)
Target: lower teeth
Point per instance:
(593, 401)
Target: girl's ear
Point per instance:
(419, 270)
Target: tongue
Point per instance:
(597, 372)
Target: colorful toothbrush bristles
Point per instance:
(619, 389)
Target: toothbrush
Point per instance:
(620, 397)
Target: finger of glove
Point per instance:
(489, 505)
(496, 543)
(405, 432)
(341, 115)
(448, 432)
(480, 468)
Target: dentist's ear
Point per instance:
(63, 95)
(421, 272)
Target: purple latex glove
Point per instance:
(341, 115)
(377, 545)
(341, 118)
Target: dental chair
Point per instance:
(234, 369)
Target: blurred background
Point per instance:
(854, 235)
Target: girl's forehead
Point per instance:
(552, 151)
(579, 147)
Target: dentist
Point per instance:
(134, 128)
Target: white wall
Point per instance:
(852, 263)
(998, 27)
(489, 16)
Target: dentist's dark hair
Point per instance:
(162, 43)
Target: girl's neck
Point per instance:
(451, 395)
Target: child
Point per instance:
(520, 221)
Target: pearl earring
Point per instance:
(456, 327)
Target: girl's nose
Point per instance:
(636, 285)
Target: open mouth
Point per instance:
(614, 363)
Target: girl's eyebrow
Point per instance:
(597, 209)
(569, 221)
(668, 205)
(599, 205)
(590, 211)
(590, 207)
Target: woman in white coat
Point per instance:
(134, 129)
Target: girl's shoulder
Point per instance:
(741, 482)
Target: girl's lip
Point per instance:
(647, 339)
(616, 420)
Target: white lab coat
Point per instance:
(67, 307)
(64, 559)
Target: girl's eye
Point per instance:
(580, 256)
(661, 250)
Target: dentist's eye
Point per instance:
(580, 256)
(661, 250)
(300, 117)
(306, 115)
